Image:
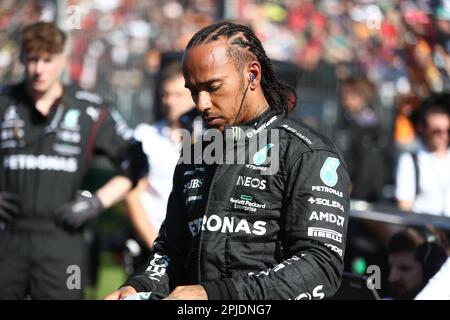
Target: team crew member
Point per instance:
(161, 142)
(49, 134)
(232, 231)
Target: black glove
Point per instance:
(76, 213)
(9, 206)
(135, 163)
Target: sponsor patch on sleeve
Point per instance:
(328, 173)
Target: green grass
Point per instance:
(111, 276)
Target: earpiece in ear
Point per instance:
(251, 77)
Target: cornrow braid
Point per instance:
(244, 45)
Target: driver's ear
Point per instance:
(254, 74)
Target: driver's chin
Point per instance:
(220, 127)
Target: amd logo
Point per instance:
(328, 217)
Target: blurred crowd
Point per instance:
(378, 38)
(115, 45)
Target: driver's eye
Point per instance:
(213, 89)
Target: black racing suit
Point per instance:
(246, 233)
(43, 160)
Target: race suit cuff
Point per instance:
(136, 284)
(220, 290)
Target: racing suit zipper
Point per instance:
(36, 180)
(206, 211)
(48, 130)
(199, 273)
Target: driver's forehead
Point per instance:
(205, 61)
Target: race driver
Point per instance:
(236, 231)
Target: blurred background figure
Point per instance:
(405, 139)
(359, 138)
(147, 203)
(415, 255)
(423, 177)
(437, 287)
(44, 209)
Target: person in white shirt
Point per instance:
(438, 287)
(429, 166)
(147, 203)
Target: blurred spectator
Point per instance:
(147, 203)
(415, 255)
(358, 138)
(14, 15)
(404, 132)
(115, 45)
(401, 46)
(423, 177)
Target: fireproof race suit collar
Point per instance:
(252, 128)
